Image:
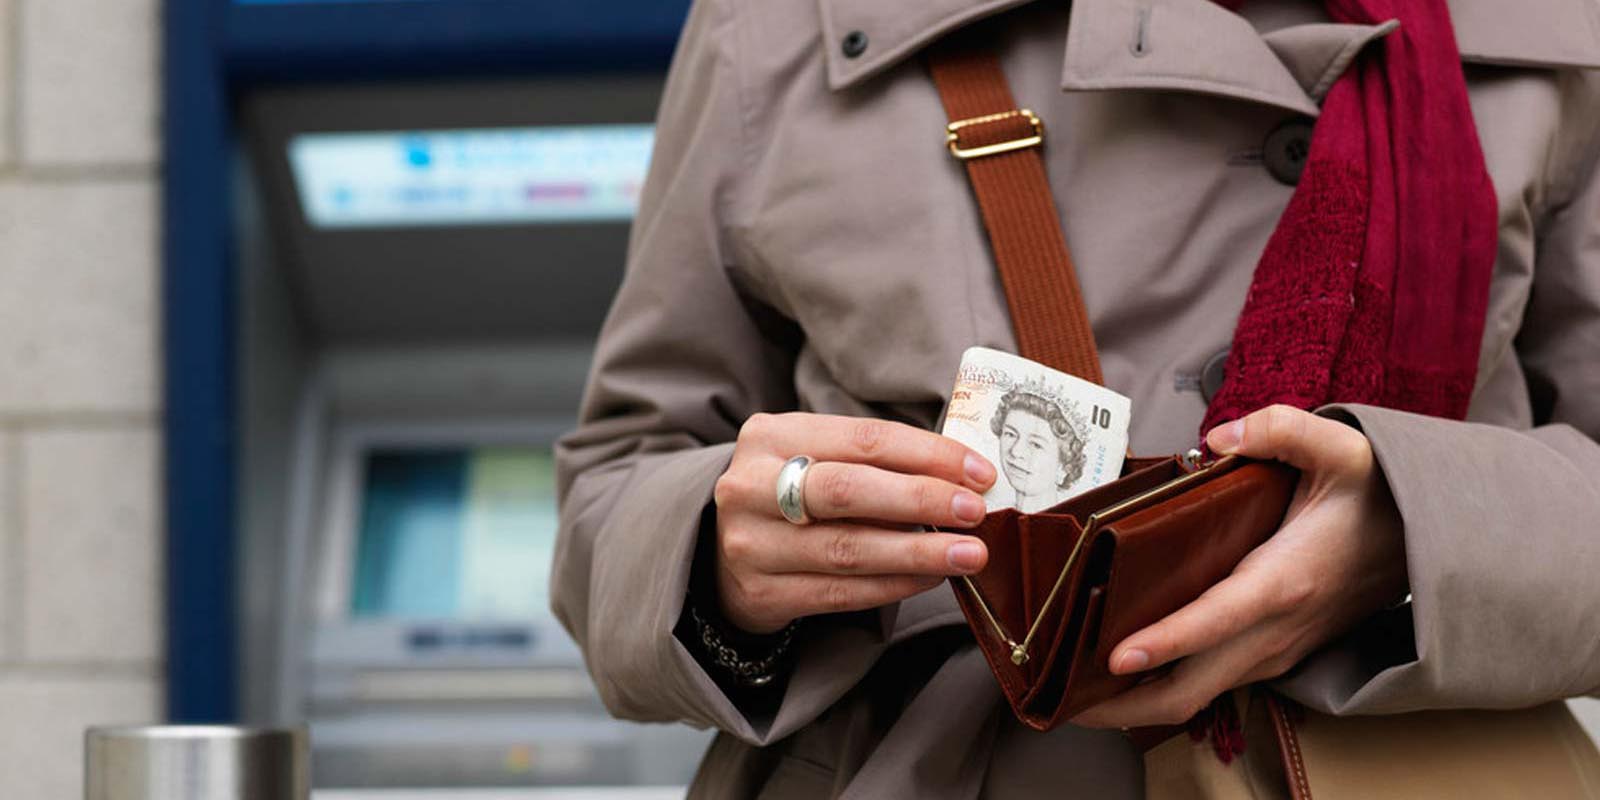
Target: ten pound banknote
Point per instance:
(1050, 435)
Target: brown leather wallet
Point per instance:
(1065, 585)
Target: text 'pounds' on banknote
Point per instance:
(1050, 435)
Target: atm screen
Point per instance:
(552, 173)
(463, 533)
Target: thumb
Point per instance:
(1284, 433)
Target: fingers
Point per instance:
(835, 490)
(839, 491)
(770, 572)
(1297, 438)
(1230, 607)
(1176, 697)
(888, 445)
(861, 550)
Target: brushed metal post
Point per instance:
(196, 762)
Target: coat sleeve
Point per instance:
(1502, 526)
(684, 358)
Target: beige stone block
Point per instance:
(90, 548)
(42, 728)
(78, 284)
(10, 592)
(7, 81)
(87, 81)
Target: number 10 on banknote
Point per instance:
(1051, 435)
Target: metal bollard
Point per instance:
(196, 762)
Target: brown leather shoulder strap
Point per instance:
(999, 143)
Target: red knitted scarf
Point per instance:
(1375, 285)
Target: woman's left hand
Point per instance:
(1339, 557)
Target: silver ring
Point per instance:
(792, 490)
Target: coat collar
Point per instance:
(1183, 39)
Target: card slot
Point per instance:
(1062, 623)
(1046, 704)
(1088, 585)
(1086, 679)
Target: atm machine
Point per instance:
(415, 269)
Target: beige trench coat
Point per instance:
(806, 242)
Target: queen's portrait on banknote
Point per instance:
(1050, 434)
(1041, 444)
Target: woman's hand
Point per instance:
(870, 484)
(1339, 557)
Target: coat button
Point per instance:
(854, 44)
(1211, 375)
(1286, 149)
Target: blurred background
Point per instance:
(294, 298)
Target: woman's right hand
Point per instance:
(870, 484)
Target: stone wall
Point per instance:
(80, 510)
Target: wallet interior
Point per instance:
(1028, 552)
(1048, 542)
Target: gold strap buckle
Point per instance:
(953, 134)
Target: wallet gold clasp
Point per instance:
(953, 134)
(1019, 651)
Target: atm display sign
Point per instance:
(572, 173)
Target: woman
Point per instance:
(808, 265)
(1041, 449)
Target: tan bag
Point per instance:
(1291, 753)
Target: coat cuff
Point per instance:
(1501, 554)
(643, 670)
